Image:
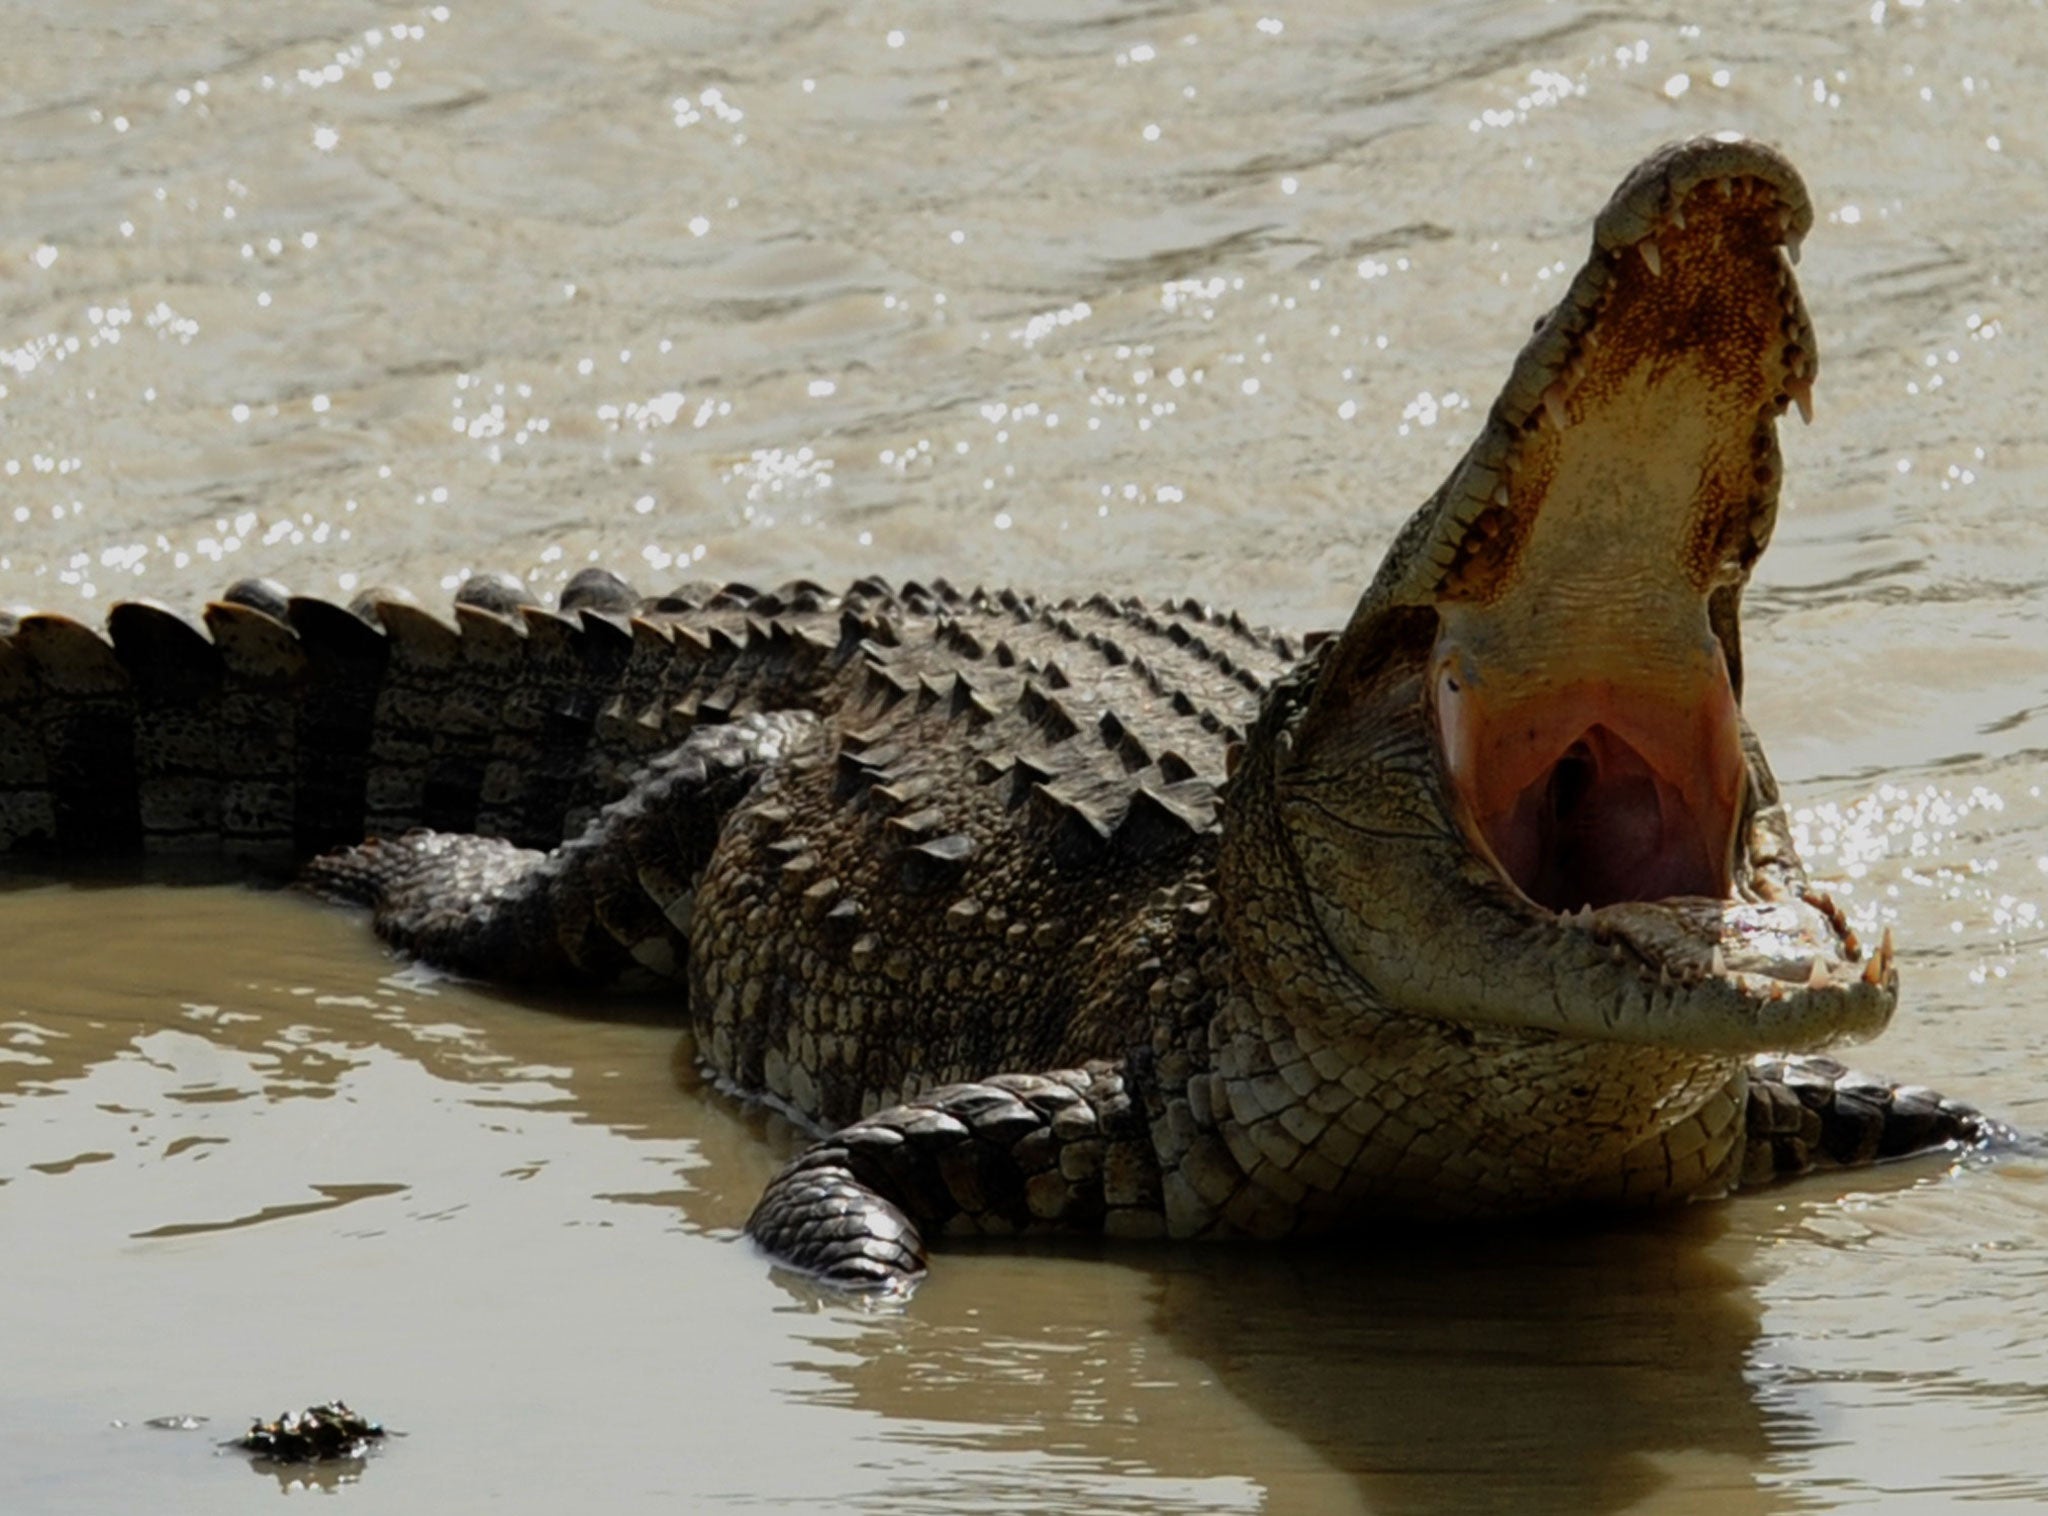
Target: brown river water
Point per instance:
(1154, 297)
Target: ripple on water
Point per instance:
(1076, 297)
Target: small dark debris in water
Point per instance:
(313, 1435)
(176, 1423)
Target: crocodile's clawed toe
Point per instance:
(477, 905)
(819, 1220)
(1809, 1113)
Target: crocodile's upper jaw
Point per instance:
(1518, 790)
(1584, 705)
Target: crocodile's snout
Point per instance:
(1549, 666)
(1584, 703)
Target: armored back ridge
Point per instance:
(1119, 915)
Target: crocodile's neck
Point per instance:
(1332, 1103)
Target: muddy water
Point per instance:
(1173, 298)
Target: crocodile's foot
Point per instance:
(1018, 1153)
(476, 905)
(1814, 1113)
(825, 1216)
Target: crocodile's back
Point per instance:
(966, 873)
(278, 727)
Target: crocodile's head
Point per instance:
(1518, 789)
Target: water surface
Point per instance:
(1170, 299)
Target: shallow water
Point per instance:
(1168, 299)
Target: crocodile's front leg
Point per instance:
(1781, 1116)
(1812, 1113)
(618, 896)
(1065, 1151)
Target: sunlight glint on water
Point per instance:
(1074, 296)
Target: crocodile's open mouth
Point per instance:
(1560, 626)
(1585, 714)
(1598, 792)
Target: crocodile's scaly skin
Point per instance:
(1119, 915)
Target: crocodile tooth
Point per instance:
(1817, 976)
(1801, 391)
(1553, 405)
(1873, 971)
(1716, 964)
(1726, 187)
(1655, 260)
(1663, 977)
(1785, 231)
(1678, 217)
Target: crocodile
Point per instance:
(1120, 916)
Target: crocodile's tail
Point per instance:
(277, 726)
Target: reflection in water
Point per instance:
(332, 1196)
(303, 1006)
(1533, 1372)
(361, 291)
(299, 1478)
(1523, 1373)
